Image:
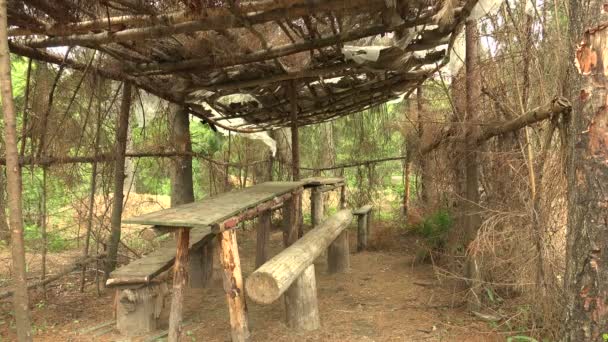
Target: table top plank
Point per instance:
(159, 260)
(212, 210)
(318, 181)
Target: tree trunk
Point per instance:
(586, 317)
(283, 138)
(425, 175)
(472, 219)
(5, 233)
(119, 178)
(182, 189)
(13, 171)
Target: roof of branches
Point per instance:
(240, 64)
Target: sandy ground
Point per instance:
(382, 298)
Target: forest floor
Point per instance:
(384, 297)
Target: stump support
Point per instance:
(138, 309)
(338, 254)
(233, 285)
(362, 232)
(201, 265)
(301, 308)
(316, 206)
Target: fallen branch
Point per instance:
(65, 271)
(557, 106)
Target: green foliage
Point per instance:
(434, 229)
(55, 241)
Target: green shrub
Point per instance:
(434, 229)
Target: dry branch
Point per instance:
(557, 106)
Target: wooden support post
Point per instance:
(362, 232)
(263, 236)
(180, 279)
(338, 255)
(316, 206)
(201, 265)
(291, 219)
(369, 224)
(343, 197)
(233, 285)
(138, 309)
(301, 306)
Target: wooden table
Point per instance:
(222, 213)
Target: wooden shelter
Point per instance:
(237, 64)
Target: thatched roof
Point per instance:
(239, 64)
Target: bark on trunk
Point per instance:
(472, 219)
(182, 189)
(13, 171)
(586, 316)
(119, 179)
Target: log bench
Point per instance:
(140, 292)
(364, 227)
(292, 273)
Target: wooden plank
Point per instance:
(363, 210)
(150, 266)
(318, 181)
(216, 209)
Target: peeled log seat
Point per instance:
(363, 226)
(292, 272)
(140, 295)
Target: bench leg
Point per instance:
(201, 266)
(362, 232)
(338, 255)
(233, 285)
(137, 310)
(180, 281)
(291, 219)
(263, 236)
(301, 306)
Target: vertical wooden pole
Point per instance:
(369, 224)
(291, 219)
(361, 232)
(338, 254)
(316, 206)
(13, 177)
(295, 137)
(263, 236)
(301, 306)
(343, 197)
(233, 285)
(180, 281)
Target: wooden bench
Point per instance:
(140, 291)
(364, 227)
(292, 273)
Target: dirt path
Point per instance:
(382, 298)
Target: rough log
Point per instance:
(233, 285)
(180, 281)
(271, 280)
